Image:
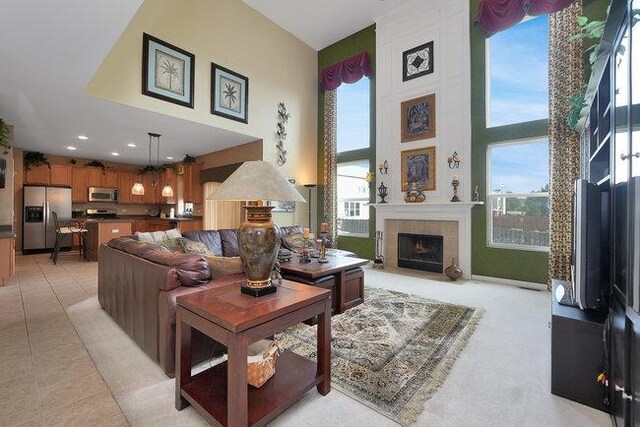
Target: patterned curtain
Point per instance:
(566, 78)
(330, 163)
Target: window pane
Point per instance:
(518, 89)
(353, 116)
(521, 167)
(353, 195)
(520, 221)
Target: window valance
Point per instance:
(498, 15)
(348, 71)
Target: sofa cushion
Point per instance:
(157, 236)
(211, 238)
(287, 230)
(133, 246)
(224, 266)
(296, 242)
(191, 270)
(229, 240)
(192, 247)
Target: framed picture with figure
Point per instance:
(418, 118)
(229, 94)
(419, 167)
(167, 71)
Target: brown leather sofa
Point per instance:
(138, 285)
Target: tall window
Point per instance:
(353, 158)
(517, 73)
(519, 194)
(518, 170)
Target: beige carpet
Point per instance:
(500, 379)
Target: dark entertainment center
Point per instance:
(607, 340)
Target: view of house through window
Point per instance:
(519, 194)
(517, 73)
(353, 198)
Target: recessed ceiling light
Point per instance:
(71, 147)
(132, 145)
(83, 137)
(115, 154)
(169, 158)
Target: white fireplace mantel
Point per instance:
(446, 211)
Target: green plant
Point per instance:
(4, 136)
(590, 30)
(188, 159)
(97, 164)
(146, 169)
(35, 159)
(576, 104)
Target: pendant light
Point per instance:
(138, 188)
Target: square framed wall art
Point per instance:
(419, 167)
(418, 118)
(417, 62)
(229, 94)
(167, 71)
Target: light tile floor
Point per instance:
(46, 375)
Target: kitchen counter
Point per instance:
(90, 221)
(7, 232)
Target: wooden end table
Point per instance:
(221, 394)
(348, 278)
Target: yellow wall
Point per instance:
(280, 68)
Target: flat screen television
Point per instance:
(590, 208)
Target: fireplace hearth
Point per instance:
(420, 252)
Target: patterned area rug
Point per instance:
(392, 352)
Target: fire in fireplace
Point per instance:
(420, 252)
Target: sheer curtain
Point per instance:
(220, 215)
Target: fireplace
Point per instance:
(420, 252)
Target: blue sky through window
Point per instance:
(353, 115)
(518, 81)
(520, 168)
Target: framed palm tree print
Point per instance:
(229, 94)
(167, 71)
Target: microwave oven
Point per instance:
(97, 194)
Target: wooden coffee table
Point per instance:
(342, 275)
(221, 394)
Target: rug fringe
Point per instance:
(415, 406)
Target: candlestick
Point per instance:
(305, 233)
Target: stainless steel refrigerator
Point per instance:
(39, 230)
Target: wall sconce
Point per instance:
(454, 160)
(383, 168)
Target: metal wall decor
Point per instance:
(417, 62)
(281, 133)
(454, 160)
(383, 168)
(383, 192)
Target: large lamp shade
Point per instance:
(258, 236)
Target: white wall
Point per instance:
(415, 23)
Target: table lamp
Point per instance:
(258, 236)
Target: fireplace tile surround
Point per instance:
(450, 220)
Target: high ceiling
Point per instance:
(321, 23)
(52, 49)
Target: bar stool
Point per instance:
(68, 230)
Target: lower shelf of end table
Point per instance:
(295, 375)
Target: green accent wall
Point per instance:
(363, 40)
(529, 266)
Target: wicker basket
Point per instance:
(262, 357)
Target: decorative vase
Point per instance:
(453, 272)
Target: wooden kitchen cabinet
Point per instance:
(40, 175)
(193, 225)
(150, 193)
(61, 174)
(125, 182)
(191, 182)
(79, 184)
(111, 179)
(7, 264)
(139, 225)
(101, 232)
(157, 225)
(95, 177)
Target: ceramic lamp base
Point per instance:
(258, 292)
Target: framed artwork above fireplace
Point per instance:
(419, 167)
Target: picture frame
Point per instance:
(229, 94)
(419, 166)
(417, 62)
(280, 206)
(418, 118)
(168, 72)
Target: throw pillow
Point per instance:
(193, 247)
(174, 244)
(296, 242)
(224, 266)
(157, 236)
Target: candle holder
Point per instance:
(476, 195)
(322, 244)
(383, 192)
(455, 183)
